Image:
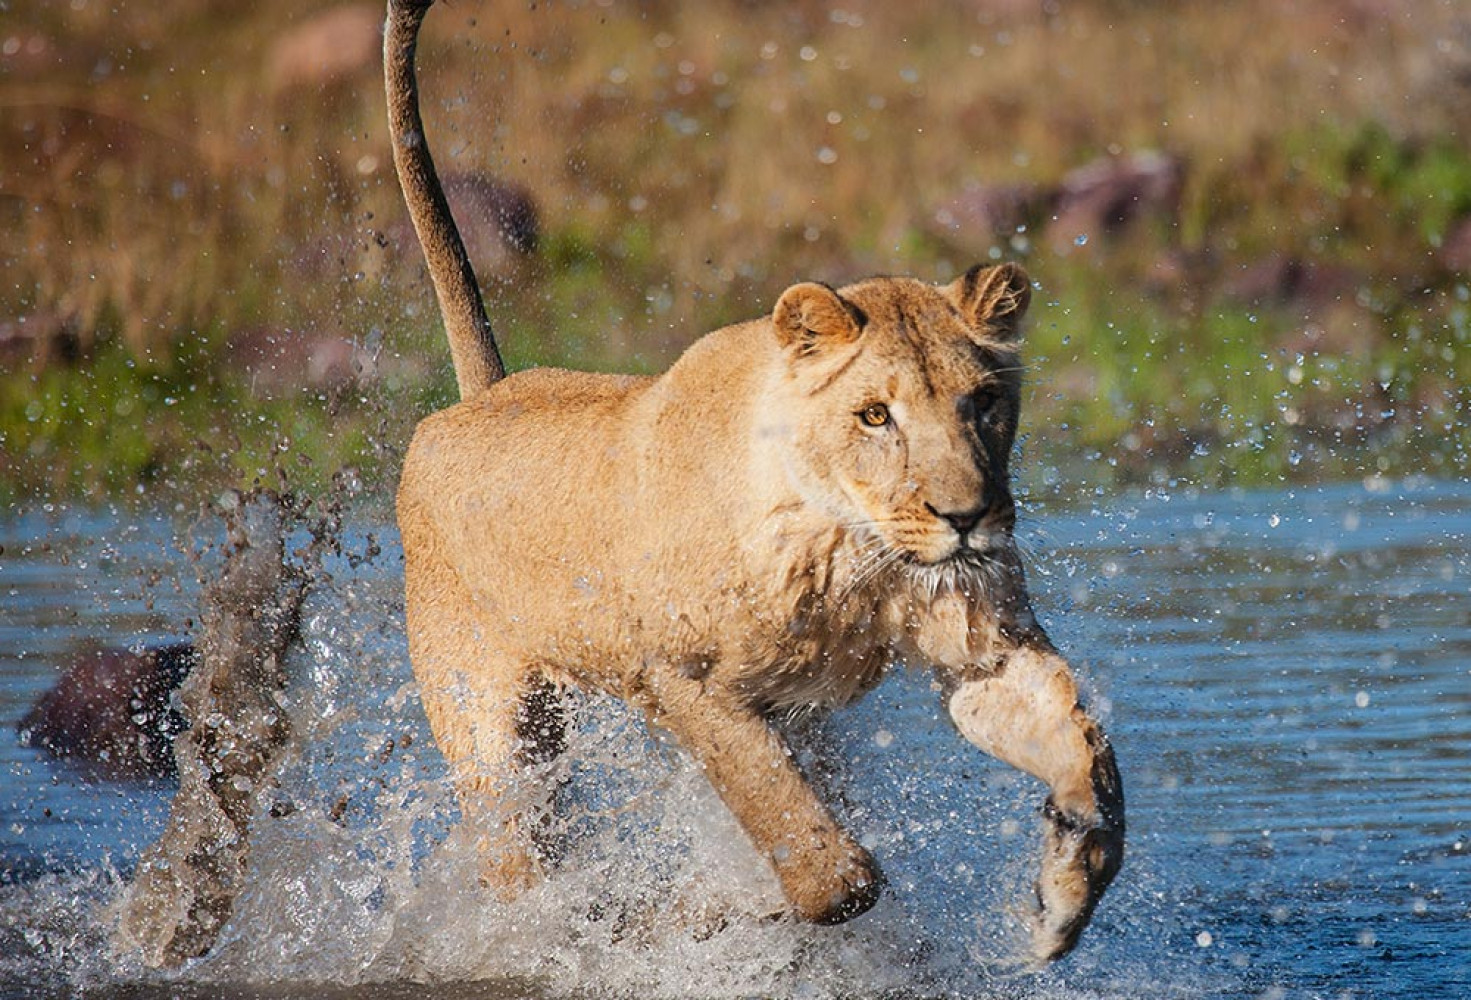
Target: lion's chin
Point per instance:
(991, 574)
(967, 572)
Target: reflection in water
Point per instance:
(1287, 677)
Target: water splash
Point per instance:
(1317, 841)
(185, 886)
(358, 873)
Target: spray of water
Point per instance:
(358, 875)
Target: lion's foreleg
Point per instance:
(826, 875)
(1025, 712)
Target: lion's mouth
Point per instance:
(985, 573)
(980, 549)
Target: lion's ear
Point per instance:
(810, 317)
(993, 299)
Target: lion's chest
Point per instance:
(793, 624)
(821, 656)
(773, 655)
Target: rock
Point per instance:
(277, 359)
(1091, 203)
(38, 339)
(337, 45)
(112, 709)
(494, 209)
(1281, 280)
(1343, 329)
(498, 221)
(996, 211)
(1454, 253)
(1180, 275)
(1106, 196)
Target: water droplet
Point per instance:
(1081, 240)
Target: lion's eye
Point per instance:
(874, 414)
(981, 403)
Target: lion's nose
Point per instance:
(962, 521)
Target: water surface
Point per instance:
(1286, 676)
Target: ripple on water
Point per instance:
(1291, 705)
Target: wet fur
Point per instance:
(737, 539)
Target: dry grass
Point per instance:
(160, 183)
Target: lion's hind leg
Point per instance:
(496, 719)
(498, 736)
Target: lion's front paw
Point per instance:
(830, 882)
(1078, 863)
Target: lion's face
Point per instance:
(905, 398)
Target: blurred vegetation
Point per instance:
(207, 275)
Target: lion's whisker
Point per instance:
(869, 570)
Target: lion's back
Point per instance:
(529, 452)
(525, 416)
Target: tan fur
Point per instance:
(743, 536)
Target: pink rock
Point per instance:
(996, 211)
(1455, 249)
(1106, 196)
(338, 44)
(1286, 281)
(112, 708)
(498, 221)
(275, 359)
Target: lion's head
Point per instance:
(903, 398)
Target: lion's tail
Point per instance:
(472, 344)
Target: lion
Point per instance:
(799, 502)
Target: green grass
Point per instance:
(690, 161)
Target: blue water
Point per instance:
(1286, 676)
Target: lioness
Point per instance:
(798, 502)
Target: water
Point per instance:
(1286, 676)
